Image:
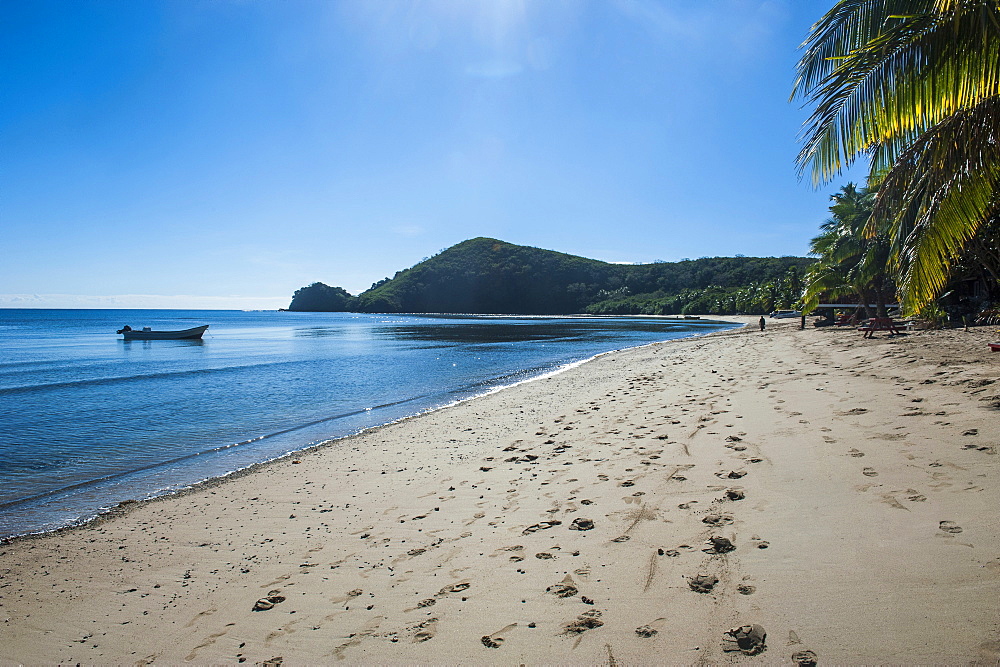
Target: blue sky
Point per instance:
(217, 153)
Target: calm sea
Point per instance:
(88, 420)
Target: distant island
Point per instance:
(485, 275)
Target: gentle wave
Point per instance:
(193, 455)
(488, 386)
(136, 378)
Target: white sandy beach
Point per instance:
(857, 480)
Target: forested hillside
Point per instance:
(322, 298)
(489, 276)
(485, 275)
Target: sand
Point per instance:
(570, 520)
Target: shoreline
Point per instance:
(867, 529)
(168, 493)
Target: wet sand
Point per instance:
(840, 493)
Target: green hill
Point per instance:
(485, 275)
(322, 298)
(489, 276)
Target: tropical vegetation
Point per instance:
(851, 263)
(485, 275)
(913, 87)
(319, 297)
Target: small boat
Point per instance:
(148, 334)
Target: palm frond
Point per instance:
(892, 77)
(937, 195)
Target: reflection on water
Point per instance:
(478, 333)
(534, 329)
(186, 342)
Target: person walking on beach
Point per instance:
(762, 322)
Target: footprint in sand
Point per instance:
(496, 639)
(274, 597)
(543, 525)
(367, 630)
(890, 500)
(702, 583)
(856, 453)
(949, 527)
(564, 589)
(588, 620)
(347, 597)
(453, 588)
(869, 472)
(717, 519)
(424, 631)
(719, 545)
(746, 639)
(650, 629)
(516, 547)
(804, 658)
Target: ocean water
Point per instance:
(88, 420)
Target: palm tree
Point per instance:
(914, 86)
(851, 261)
(830, 275)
